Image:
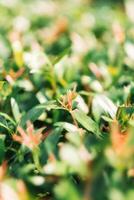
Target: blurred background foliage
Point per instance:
(66, 99)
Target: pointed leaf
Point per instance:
(86, 122)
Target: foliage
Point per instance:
(66, 100)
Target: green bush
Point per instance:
(66, 100)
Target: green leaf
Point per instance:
(35, 112)
(124, 114)
(7, 122)
(49, 146)
(15, 110)
(107, 119)
(4, 124)
(66, 189)
(5, 89)
(52, 140)
(86, 122)
(67, 126)
(36, 180)
(2, 148)
(61, 56)
(8, 118)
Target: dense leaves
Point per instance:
(66, 100)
